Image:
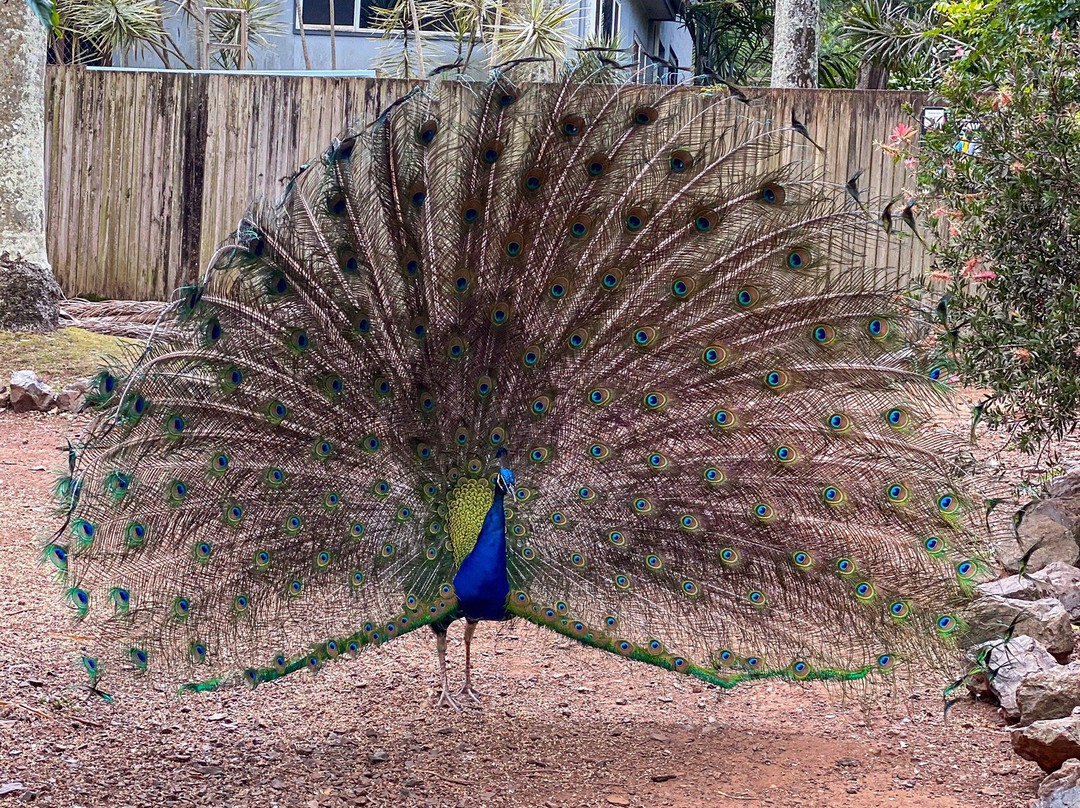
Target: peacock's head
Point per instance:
(505, 480)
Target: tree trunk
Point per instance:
(872, 76)
(795, 43)
(29, 295)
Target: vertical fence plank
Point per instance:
(149, 171)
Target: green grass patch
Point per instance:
(61, 357)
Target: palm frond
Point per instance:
(534, 29)
(262, 23)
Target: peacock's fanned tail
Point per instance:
(722, 439)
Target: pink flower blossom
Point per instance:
(970, 266)
(984, 275)
(959, 53)
(941, 276)
(911, 163)
(954, 231)
(1056, 35)
(901, 133)
(1023, 354)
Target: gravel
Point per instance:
(559, 724)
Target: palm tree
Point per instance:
(29, 295)
(732, 40)
(894, 37)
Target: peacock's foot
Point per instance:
(446, 700)
(467, 692)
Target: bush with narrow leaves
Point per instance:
(1000, 179)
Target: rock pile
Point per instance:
(1029, 672)
(27, 392)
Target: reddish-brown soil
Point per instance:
(559, 724)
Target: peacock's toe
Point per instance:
(446, 700)
(467, 692)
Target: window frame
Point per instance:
(354, 28)
(616, 13)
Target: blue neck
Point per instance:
(481, 583)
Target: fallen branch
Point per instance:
(134, 319)
(454, 780)
(28, 708)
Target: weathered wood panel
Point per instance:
(147, 172)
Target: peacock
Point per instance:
(589, 356)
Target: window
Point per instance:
(642, 66)
(353, 15)
(607, 19)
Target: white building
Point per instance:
(644, 28)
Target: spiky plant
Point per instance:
(101, 30)
(597, 60)
(262, 23)
(534, 29)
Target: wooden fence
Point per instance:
(147, 172)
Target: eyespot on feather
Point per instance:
(532, 356)
(635, 219)
(470, 211)
(572, 125)
(747, 297)
(654, 400)
(513, 245)
(643, 116)
(773, 194)
(823, 334)
(597, 165)
(533, 180)
(645, 337)
(416, 194)
(683, 287)
(580, 226)
(611, 279)
(798, 259)
(558, 287)
(490, 152)
(507, 95)
(427, 132)
(410, 263)
(704, 221)
(680, 161)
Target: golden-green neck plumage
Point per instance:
(468, 504)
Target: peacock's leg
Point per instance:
(466, 689)
(444, 699)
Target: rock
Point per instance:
(1063, 582)
(1050, 693)
(5, 398)
(1062, 788)
(1049, 743)
(29, 392)
(1045, 620)
(1065, 485)
(1012, 662)
(1051, 526)
(71, 399)
(10, 788)
(1020, 587)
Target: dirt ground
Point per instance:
(560, 725)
